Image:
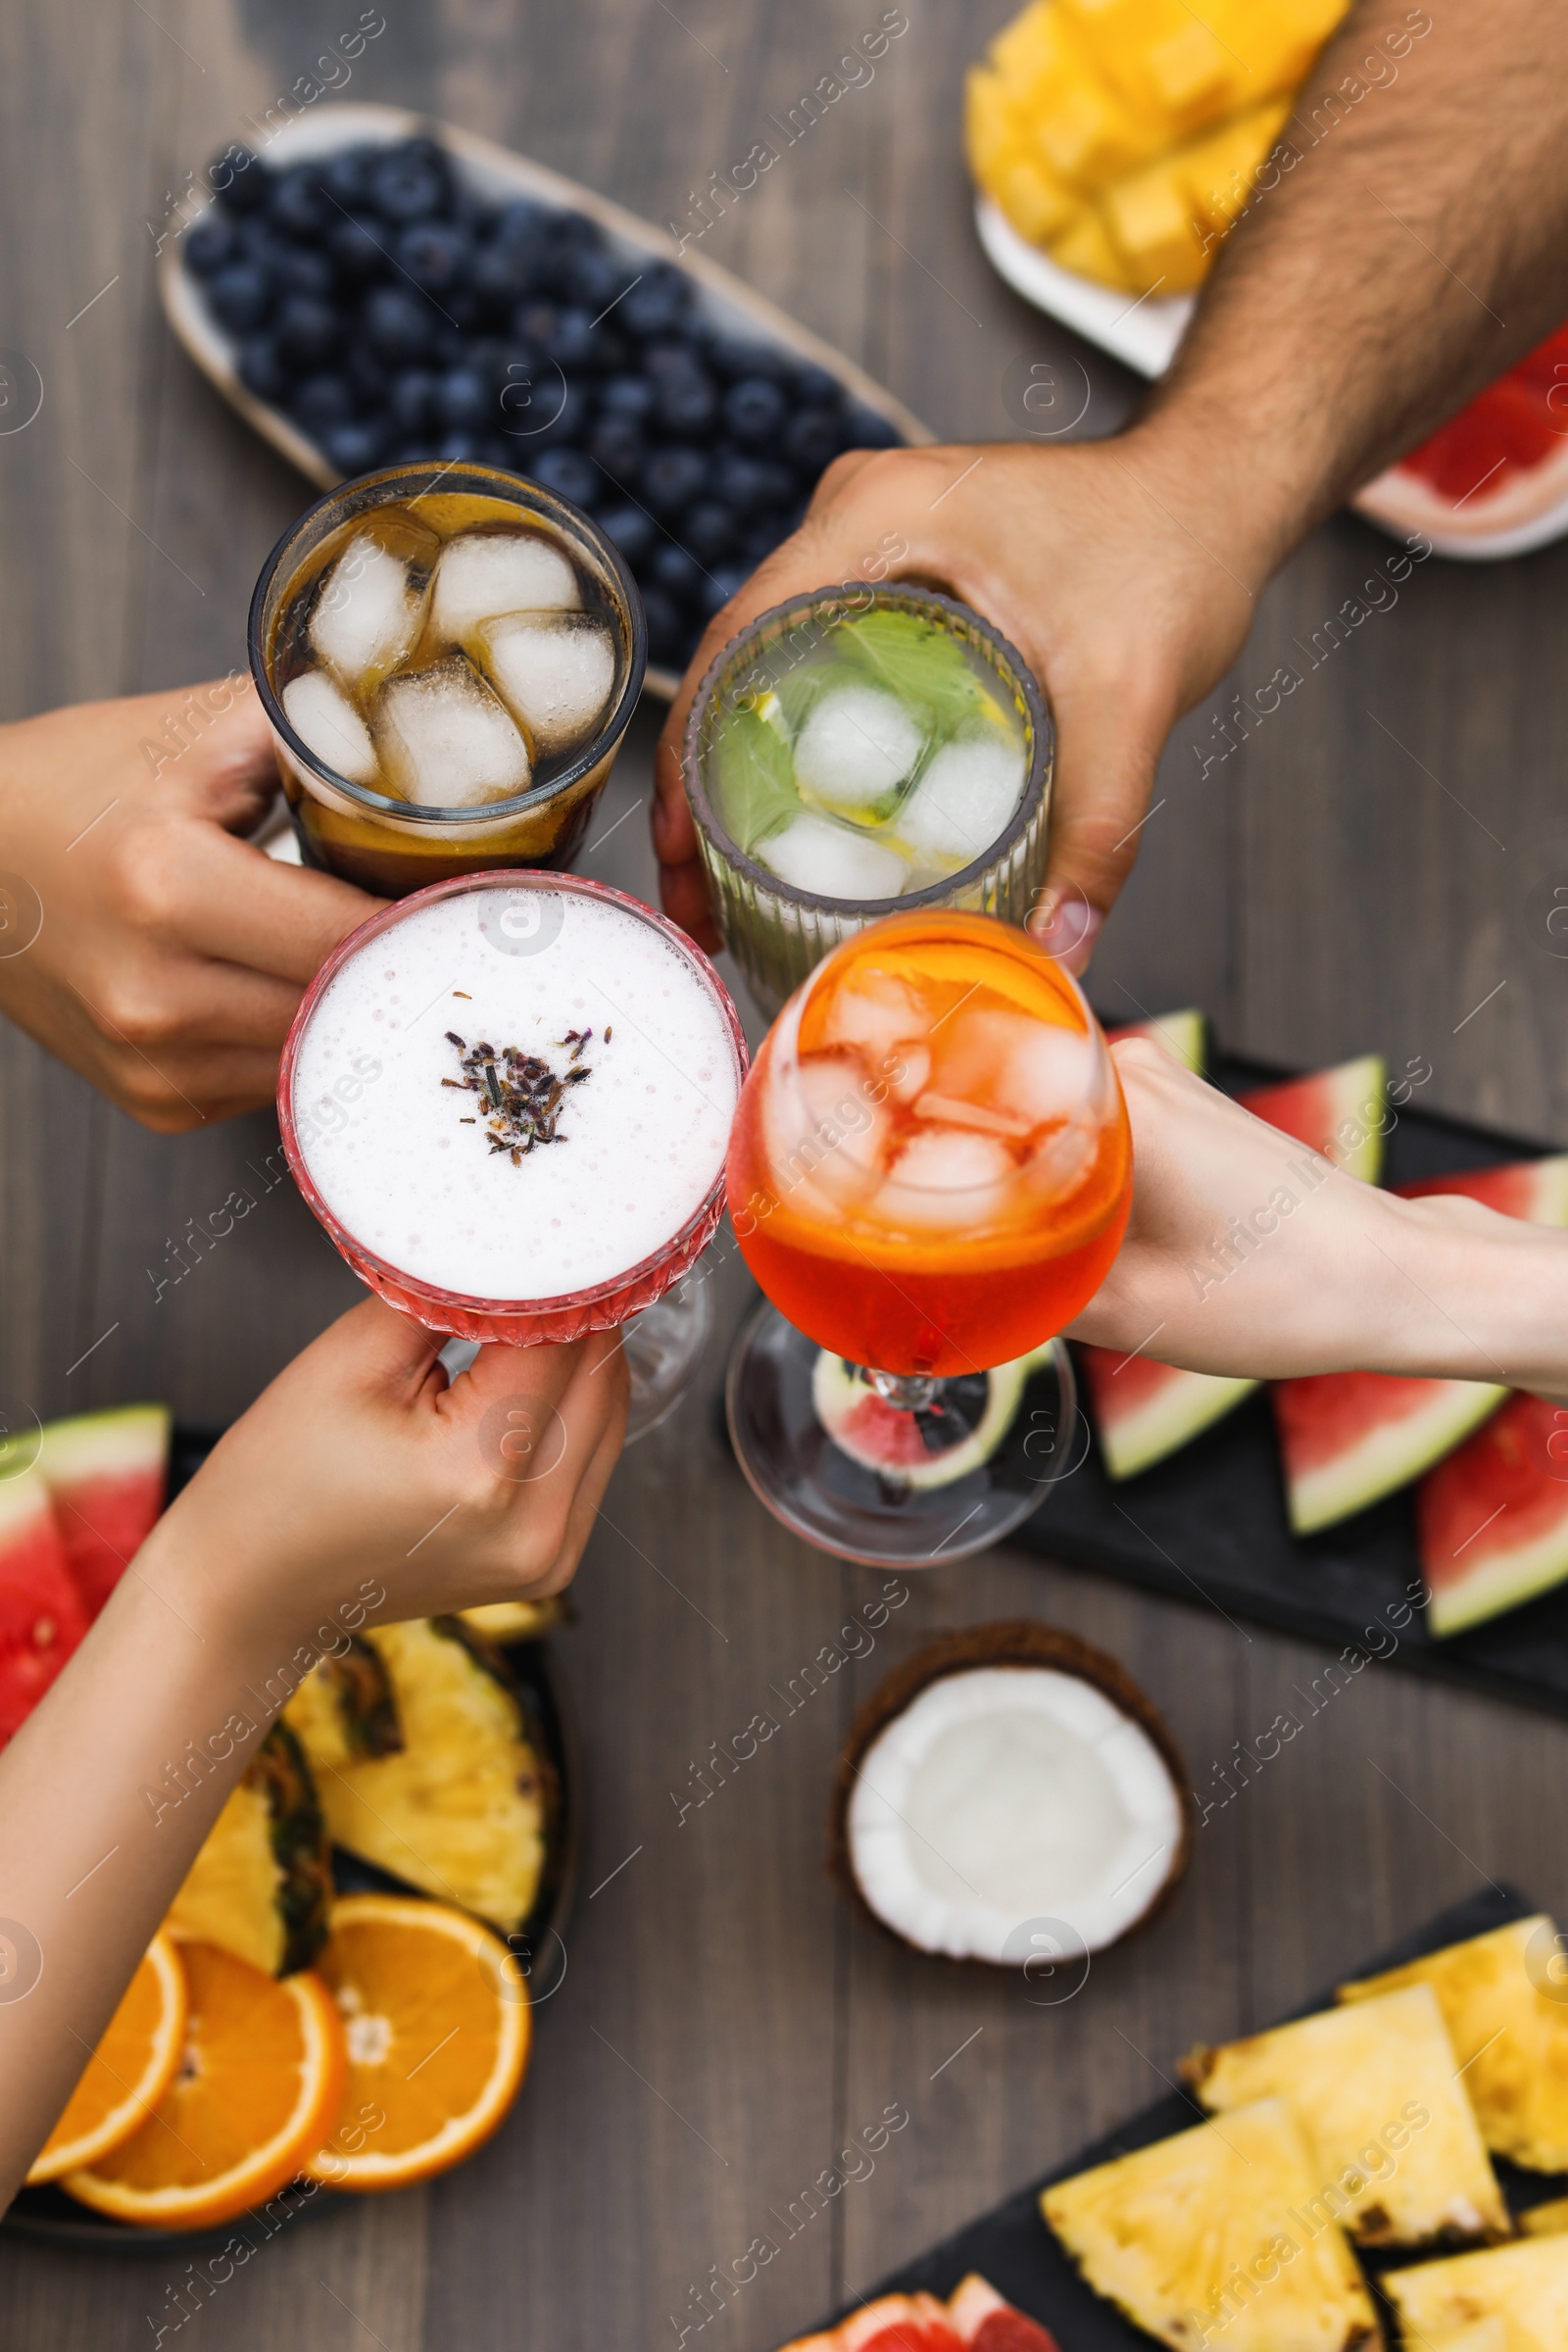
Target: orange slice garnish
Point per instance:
(259, 2082)
(127, 2073)
(437, 2032)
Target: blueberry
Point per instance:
(676, 570)
(355, 448)
(566, 423)
(669, 631)
(261, 370)
(571, 342)
(359, 251)
(463, 400)
(410, 182)
(322, 401)
(709, 530)
(863, 429)
(240, 295)
(535, 322)
(522, 223)
(749, 484)
(616, 444)
(754, 411)
(449, 345)
(308, 330)
(632, 396)
(295, 270)
(411, 400)
(814, 388)
(632, 531)
(398, 324)
(669, 355)
(434, 254)
(597, 282)
(456, 449)
(238, 178)
(688, 404)
(502, 275)
(368, 379)
(674, 478)
(734, 359)
(762, 537)
(659, 306)
(210, 244)
(345, 177)
(811, 440)
(569, 475)
(296, 204)
(722, 583)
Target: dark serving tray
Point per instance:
(50, 2215)
(1014, 2249)
(1209, 1525)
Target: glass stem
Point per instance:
(907, 1391)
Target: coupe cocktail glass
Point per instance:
(508, 1100)
(929, 1175)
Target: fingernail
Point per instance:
(1067, 928)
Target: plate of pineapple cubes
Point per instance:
(1388, 2173)
(341, 1997)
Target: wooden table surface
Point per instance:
(1364, 873)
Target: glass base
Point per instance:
(663, 1345)
(911, 1513)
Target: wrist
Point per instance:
(1489, 1297)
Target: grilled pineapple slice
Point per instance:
(1216, 2233)
(1546, 2221)
(1509, 2029)
(459, 1809)
(1514, 2297)
(1379, 2097)
(262, 1880)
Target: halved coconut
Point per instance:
(1010, 1795)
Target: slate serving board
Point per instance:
(1209, 1525)
(1014, 2249)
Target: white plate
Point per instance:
(1144, 335)
(724, 301)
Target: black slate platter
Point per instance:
(1209, 1525)
(50, 2215)
(1014, 2249)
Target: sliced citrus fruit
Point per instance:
(437, 2034)
(127, 2073)
(260, 2079)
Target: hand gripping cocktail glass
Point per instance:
(508, 1100)
(448, 657)
(929, 1175)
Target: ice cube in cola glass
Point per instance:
(448, 657)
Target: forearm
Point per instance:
(1483, 1298)
(1404, 246)
(105, 1794)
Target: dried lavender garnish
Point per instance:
(519, 1093)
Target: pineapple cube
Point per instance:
(992, 132)
(1546, 2221)
(1165, 59)
(1377, 2092)
(1212, 2234)
(1217, 172)
(1085, 247)
(1513, 2297)
(1151, 225)
(1038, 204)
(1080, 123)
(1027, 48)
(1509, 2031)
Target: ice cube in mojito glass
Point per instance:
(509, 1098)
(448, 657)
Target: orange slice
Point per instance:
(127, 2073)
(437, 2034)
(260, 2079)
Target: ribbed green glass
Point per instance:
(777, 933)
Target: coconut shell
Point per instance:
(1014, 1642)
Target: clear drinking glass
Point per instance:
(380, 1142)
(777, 931)
(392, 845)
(929, 1175)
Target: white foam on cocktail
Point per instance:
(484, 573)
(553, 670)
(964, 799)
(370, 607)
(857, 746)
(327, 724)
(832, 861)
(645, 1134)
(446, 741)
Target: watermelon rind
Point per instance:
(1505, 1582)
(1179, 1410)
(1339, 1112)
(128, 1437)
(1389, 1457)
(1184, 1036)
(839, 1390)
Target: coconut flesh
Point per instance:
(1005, 1795)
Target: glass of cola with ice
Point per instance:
(448, 655)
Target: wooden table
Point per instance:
(1363, 874)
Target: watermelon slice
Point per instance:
(1184, 1036)
(41, 1618)
(976, 2317)
(106, 1474)
(1493, 1519)
(1340, 1112)
(1347, 1438)
(925, 1448)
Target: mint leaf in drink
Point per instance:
(922, 665)
(753, 777)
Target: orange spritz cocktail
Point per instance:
(930, 1171)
